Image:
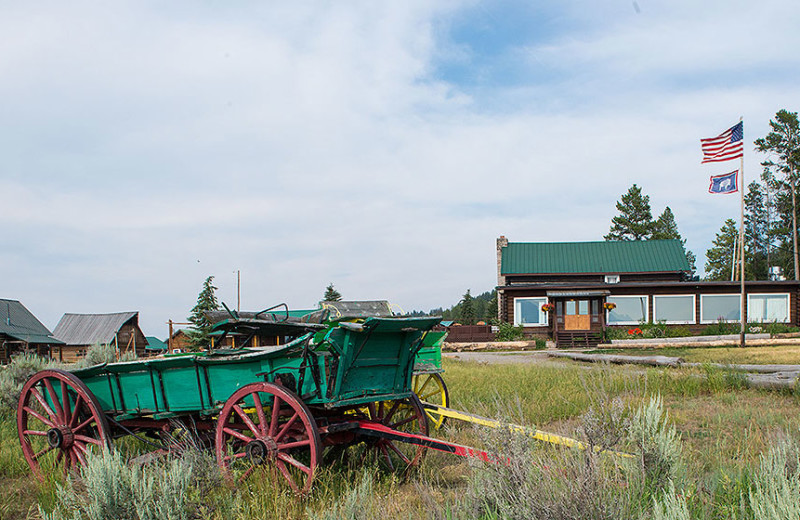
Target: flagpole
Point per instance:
(742, 317)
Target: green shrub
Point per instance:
(110, 489)
(100, 354)
(541, 343)
(508, 332)
(721, 328)
(672, 506)
(776, 491)
(14, 375)
(659, 445)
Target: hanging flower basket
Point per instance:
(548, 307)
(609, 306)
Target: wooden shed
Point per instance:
(20, 331)
(80, 331)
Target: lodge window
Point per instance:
(629, 310)
(674, 308)
(766, 308)
(528, 312)
(720, 307)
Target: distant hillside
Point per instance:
(470, 310)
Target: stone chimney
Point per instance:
(501, 280)
(501, 243)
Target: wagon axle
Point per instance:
(60, 437)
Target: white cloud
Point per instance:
(149, 146)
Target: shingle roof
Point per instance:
(594, 257)
(91, 329)
(18, 322)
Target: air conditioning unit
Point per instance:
(776, 274)
(612, 278)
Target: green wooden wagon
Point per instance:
(336, 384)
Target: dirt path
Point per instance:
(503, 358)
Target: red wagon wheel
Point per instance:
(405, 415)
(266, 424)
(59, 421)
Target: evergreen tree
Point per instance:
(756, 232)
(466, 313)
(719, 258)
(665, 228)
(783, 146)
(635, 221)
(206, 301)
(331, 294)
(491, 309)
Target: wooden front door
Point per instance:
(576, 315)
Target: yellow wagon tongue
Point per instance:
(530, 432)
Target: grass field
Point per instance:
(723, 428)
(766, 355)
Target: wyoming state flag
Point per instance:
(726, 183)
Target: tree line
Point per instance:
(770, 213)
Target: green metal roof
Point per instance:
(153, 343)
(18, 322)
(638, 256)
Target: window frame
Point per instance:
(675, 322)
(788, 306)
(517, 316)
(646, 308)
(709, 322)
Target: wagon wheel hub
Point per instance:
(60, 437)
(261, 450)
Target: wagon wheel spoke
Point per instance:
(54, 398)
(49, 411)
(386, 456)
(87, 439)
(84, 424)
(392, 411)
(398, 452)
(247, 421)
(78, 403)
(276, 408)
(404, 421)
(81, 447)
(262, 417)
(237, 434)
(65, 400)
(286, 475)
(292, 445)
(42, 418)
(229, 458)
(247, 473)
(427, 380)
(427, 396)
(371, 410)
(35, 433)
(294, 462)
(43, 451)
(79, 457)
(286, 427)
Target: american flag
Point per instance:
(726, 146)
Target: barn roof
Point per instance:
(19, 323)
(637, 256)
(91, 329)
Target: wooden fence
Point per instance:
(469, 333)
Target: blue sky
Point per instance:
(380, 146)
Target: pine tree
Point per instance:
(466, 313)
(331, 294)
(665, 228)
(719, 258)
(783, 145)
(635, 221)
(756, 232)
(206, 301)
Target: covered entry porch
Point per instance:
(578, 317)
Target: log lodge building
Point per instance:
(646, 281)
